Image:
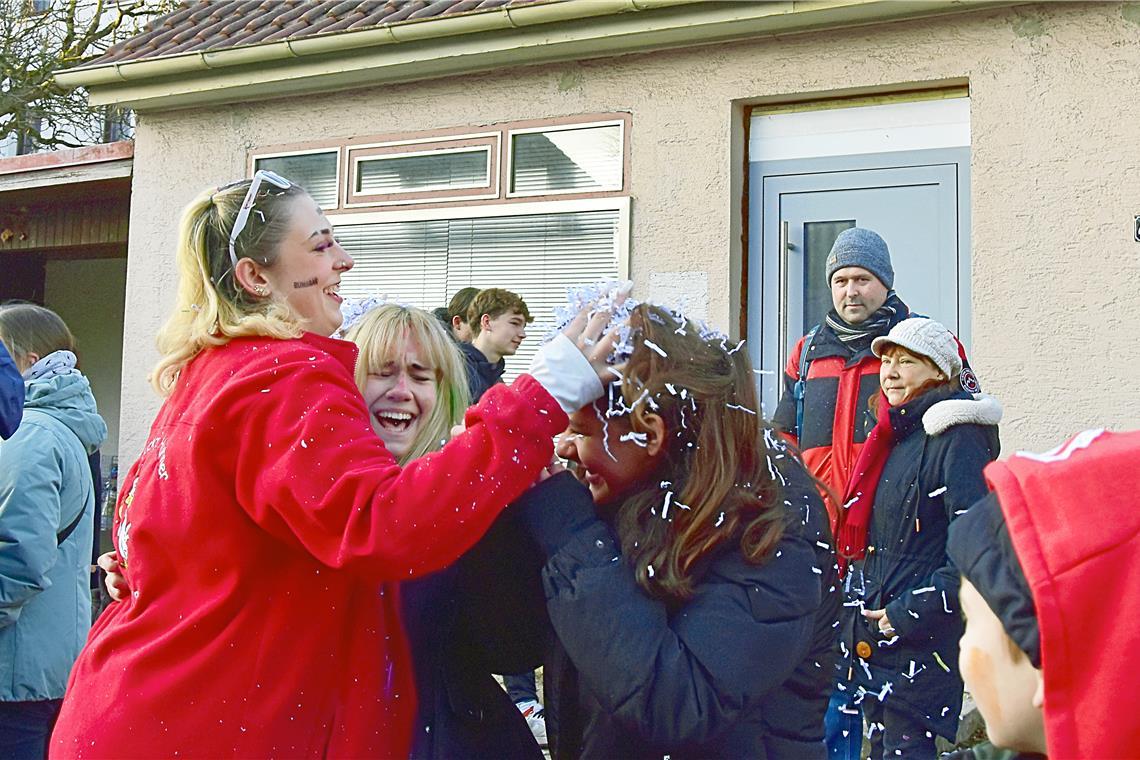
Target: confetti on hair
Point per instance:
(651, 345)
(741, 408)
(719, 520)
(353, 309)
(605, 419)
(665, 508)
(641, 439)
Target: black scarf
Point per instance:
(858, 337)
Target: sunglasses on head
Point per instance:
(260, 176)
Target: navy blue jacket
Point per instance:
(11, 395)
(929, 478)
(481, 374)
(740, 670)
(483, 614)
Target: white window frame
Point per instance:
(422, 146)
(621, 204)
(338, 203)
(485, 182)
(509, 158)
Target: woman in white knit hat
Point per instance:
(922, 466)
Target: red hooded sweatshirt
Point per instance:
(263, 531)
(1074, 520)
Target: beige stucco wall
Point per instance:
(88, 295)
(1056, 152)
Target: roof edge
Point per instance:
(58, 159)
(508, 36)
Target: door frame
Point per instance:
(759, 172)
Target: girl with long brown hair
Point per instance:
(690, 577)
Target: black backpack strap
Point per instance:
(71, 526)
(800, 386)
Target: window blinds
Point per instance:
(535, 255)
(567, 160)
(316, 172)
(430, 171)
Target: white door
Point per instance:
(917, 201)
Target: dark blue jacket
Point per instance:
(11, 395)
(484, 614)
(740, 670)
(481, 374)
(943, 440)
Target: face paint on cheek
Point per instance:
(305, 284)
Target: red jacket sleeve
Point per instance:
(311, 471)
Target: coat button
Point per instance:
(863, 649)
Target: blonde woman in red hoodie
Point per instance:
(264, 526)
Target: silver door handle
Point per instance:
(782, 316)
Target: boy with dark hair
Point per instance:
(457, 314)
(498, 320)
(1050, 565)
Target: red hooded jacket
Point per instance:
(1074, 520)
(263, 530)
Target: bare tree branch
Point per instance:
(39, 38)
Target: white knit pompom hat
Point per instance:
(924, 337)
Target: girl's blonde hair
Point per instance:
(211, 308)
(382, 334)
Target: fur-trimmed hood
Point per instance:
(982, 409)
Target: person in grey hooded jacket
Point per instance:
(46, 504)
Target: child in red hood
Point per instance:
(1050, 565)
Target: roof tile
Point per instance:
(211, 25)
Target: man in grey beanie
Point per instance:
(829, 380)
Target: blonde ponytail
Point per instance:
(210, 308)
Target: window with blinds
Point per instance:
(424, 262)
(566, 160)
(316, 172)
(437, 170)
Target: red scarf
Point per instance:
(855, 511)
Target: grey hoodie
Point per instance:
(45, 482)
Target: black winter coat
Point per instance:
(740, 670)
(481, 374)
(943, 440)
(484, 614)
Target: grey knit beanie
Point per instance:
(924, 337)
(859, 247)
